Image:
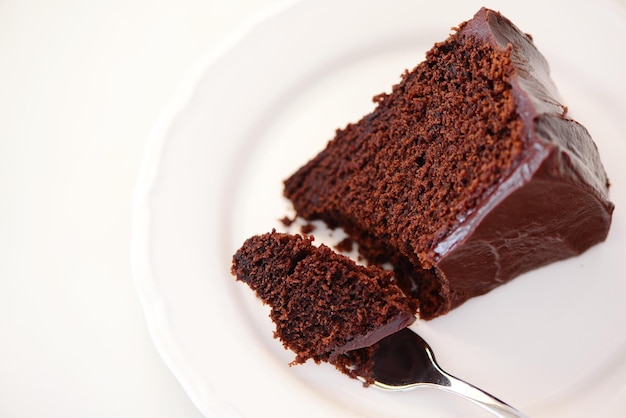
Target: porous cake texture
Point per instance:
(467, 174)
(323, 303)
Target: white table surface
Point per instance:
(81, 85)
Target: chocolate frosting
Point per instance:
(389, 182)
(561, 182)
(323, 303)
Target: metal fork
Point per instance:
(404, 361)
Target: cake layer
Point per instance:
(323, 303)
(467, 174)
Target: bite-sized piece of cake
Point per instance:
(323, 303)
(469, 173)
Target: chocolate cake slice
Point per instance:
(323, 303)
(469, 173)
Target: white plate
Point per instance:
(552, 342)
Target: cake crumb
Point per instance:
(345, 245)
(307, 228)
(287, 221)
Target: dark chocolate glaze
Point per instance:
(548, 202)
(554, 205)
(323, 303)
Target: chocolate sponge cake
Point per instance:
(323, 303)
(467, 174)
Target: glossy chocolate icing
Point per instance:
(549, 201)
(554, 204)
(322, 303)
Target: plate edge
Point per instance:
(151, 300)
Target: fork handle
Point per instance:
(479, 397)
